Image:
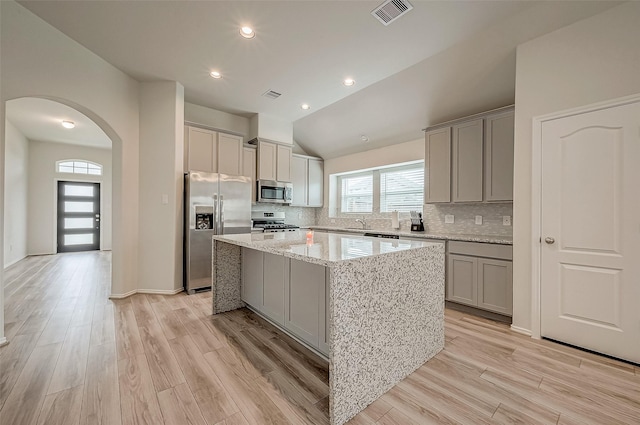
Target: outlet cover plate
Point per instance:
(478, 219)
(506, 220)
(449, 219)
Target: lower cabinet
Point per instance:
(480, 275)
(291, 293)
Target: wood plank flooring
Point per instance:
(76, 357)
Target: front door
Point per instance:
(78, 216)
(590, 256)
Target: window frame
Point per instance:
(88, 167)
(375, 172)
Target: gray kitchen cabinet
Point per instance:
(495, 285)
(467, 163)
(283, 163)
(275, 275)
(202, 149)
(480, 275)
(498, 153)
(437, 173)
(304, 295)
(274, 161)
(230, 154)
(307, 177)
(212, 152)
(325, 338)
(249, 169)
(462, 279)
(252, 277)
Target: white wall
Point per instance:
(15, 195)
(161, 162)
(272, 128)
(38, 60)
(590, 61)
(215, 119)
(43, 191)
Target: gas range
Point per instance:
(271, 222)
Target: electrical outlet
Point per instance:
(506, 220)
(10, 248)
(165, 199)
(449, 219)
(478, 219)
(299, 216)
(333, 221)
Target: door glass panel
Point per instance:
(78, 207)
(83, 239)
(73, 190)
(78, 223)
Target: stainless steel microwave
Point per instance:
(274, 192)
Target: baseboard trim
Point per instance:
(523, 331)
(146, 291)
(160, 291)
(3, 341)
(6, 266)
(125, 295)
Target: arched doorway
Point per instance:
(92, 127)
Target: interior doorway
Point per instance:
(78, 222)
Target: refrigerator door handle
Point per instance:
(215, 213)
(221, 222)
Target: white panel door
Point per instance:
(590, 259)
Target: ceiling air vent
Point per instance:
(391, 10)
(272, 94)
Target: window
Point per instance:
(357, 193)
(402, 189)
(383, 190)
(78, 167)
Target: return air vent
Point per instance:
(391, 10)
(271, 94)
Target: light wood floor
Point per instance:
(75, 357)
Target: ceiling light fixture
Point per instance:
(305, 106)
(215, 74)
(364, 138)
(247, 32)
(68, 124)
(349, 82)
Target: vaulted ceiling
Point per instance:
(440, 60)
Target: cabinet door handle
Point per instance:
(549, 240)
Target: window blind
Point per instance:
(402, 189)
(357, 193)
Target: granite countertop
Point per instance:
(325, 249)
(502, 240)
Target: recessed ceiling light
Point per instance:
(68, 124)
(349, 82)
(247, 32)
(364, 138)
(215, 74)
(305, 106)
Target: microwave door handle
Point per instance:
(221, 222)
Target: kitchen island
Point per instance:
(380, 303)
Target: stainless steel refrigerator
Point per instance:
(214, 204)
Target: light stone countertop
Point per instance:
(501, 240)
(325, 249)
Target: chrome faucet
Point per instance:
(363, 222)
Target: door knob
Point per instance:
(549, 240)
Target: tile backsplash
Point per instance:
(434, 219)
(299, 216)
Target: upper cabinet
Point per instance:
(498, 154)
(249, 169)
(307, 177)
(471, 160)
(437, 173)
(213, 152)
(274, 161)
(467, 162)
